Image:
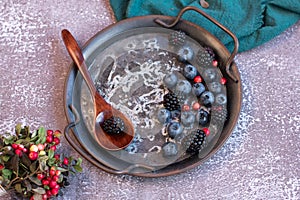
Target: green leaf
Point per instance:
(18, 187)
(18, 129)
(27, 185)
(78, 168)
(5, 158)
(27, 131)
(35, 180)
(9, 140)
(37, 196)
(33, 134)
(43, 163)
(79, 161)
(6, 172)
(33, 166)
(51, 161)
(13, 163)
(62, 169)
(39, 190)
(50, 153)
(41, 136)
(25, 160)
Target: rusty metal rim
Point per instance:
(176, 23)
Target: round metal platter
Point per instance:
(128, 62)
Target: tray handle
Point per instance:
(236, 42)
(77, 145)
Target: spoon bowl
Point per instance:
(108, 133)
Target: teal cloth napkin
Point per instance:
(254, 22)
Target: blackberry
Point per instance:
(113, 126)
(180, 97)
(171, 101)
(177, 38)
(204, 59)
(218, 114)
(195, 141)
(210, 51)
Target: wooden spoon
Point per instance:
(103, 110)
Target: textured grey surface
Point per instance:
(260, 160)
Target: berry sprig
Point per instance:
(30, 166)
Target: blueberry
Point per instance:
(175, 114)
(221, 99)
(185, 54)
(190, 72)
(198, 89)
(169, 149)
(170, 80)
(207, 98)
(203, 117)
(187, 118)
(210, 74)
(215, 87)
(174, 129)
(183, 86)
(164, 115)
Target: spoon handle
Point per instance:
(76, 55)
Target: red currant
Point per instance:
(48, 192)
(197, 79)
(56, 140)
(57, 133)
(45, 181)
(41, 147)
(57, 186)
(52, 184)
(25, 150)
(40, 176)
(66, 161)
(196, 106)
(215, 63)
(52, 172)
(54, 191)
(57, 172)
(49, 138)
(206, 131)
(185, 107)
(33, 155)
(14, 146)
(53, 147)
(57, 156)
(33, 148)
(44, 196)
(49, 132)
(1, 167)
(18, 152)
(21, 147)
(55, 178)
(223, 81)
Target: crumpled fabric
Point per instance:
(254, 22)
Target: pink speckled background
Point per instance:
(260, 160)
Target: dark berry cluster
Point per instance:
(180, 112)
(203, 58)
(113, 125)
(177, 38)
(171, 102)
(195, 141)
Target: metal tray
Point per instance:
(147, 42)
